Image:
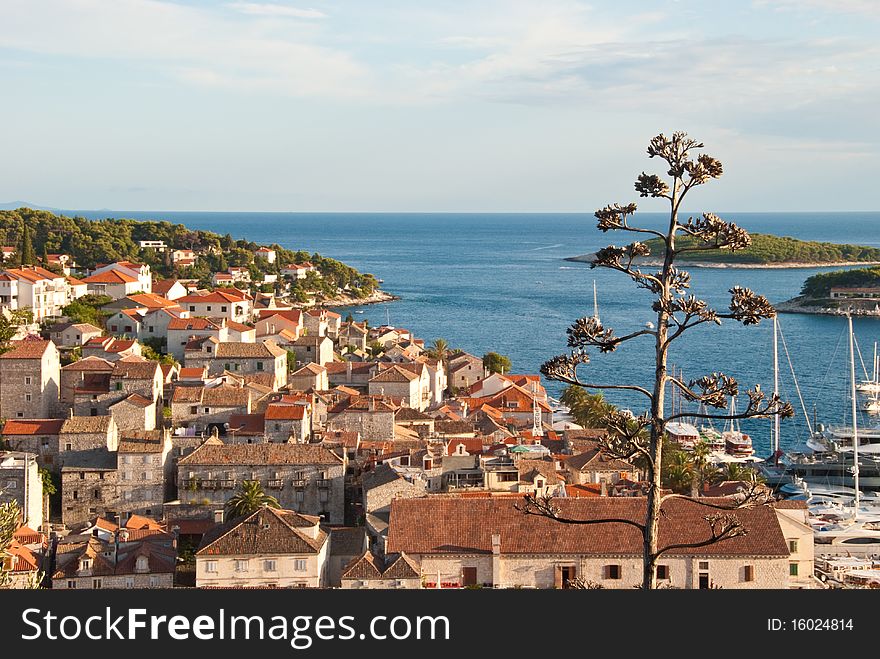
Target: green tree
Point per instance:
(249, 498)
(677, 312)
(27, 247)
(152, 349)
(10, 514)
(495, 363)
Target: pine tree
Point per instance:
(27, 247)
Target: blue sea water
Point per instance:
(499, 282)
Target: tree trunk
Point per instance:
(658, 424)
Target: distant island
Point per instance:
(766, 251)
(174, 251)
(857, 291)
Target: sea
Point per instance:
(499, 282)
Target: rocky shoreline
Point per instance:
(377, 297)
(801, 304)
(588, 258)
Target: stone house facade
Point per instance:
(200, 407)
(30, 376)
(142, 471)
(241, 359)
(285, 422)
(36, 436)
(268, 548)
(394, 572)
(20, 482)
(372, 418)
(306, 478)
(313, 349)
(507, 549)
(75, 374)
(88, 486)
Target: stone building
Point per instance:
(465, 370)
(37, 436)
(241, 359)
(371, 416)
(288, 422)
(30, 376)
(142, 460)
(134, 413)
(78, 373)
(73, 334)
(347, 544)
(268, 548)
(200, 407)
(88, 486)
(310, 376)
(86, 433)
(20, 482)
(467, 541)
(313, 349)
(306, 478)
(111, 348)
(93, 563)
(593, 466)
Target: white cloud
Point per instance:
(863, 7)
(200, 46)
(267, 9)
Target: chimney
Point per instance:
(348, 371)
(603, 491)
(218, 516)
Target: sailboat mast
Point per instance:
(595, 302)
(776, 385)
(855, 424)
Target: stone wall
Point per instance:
(87, 494)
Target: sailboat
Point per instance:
(871, 387)
(595, 303)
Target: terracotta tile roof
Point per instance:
(227, 295)
(192, 373)
(790, 504)
(211, 453)
(27, 536)
(162, 286)
(530, 469)
(239, 327)
(454, 427)
(247, 424)
(136, 400)
(280, 412)
(465, 526)
(234, 350)
(145, 442)
(347, 540)
(152, 301)
(135, 369)
(87, 424)
(110, 344)
(23, 559)
(93, 382)
(26, 349)
(264, 532)
(198, 323)
(368, 566)
(222, 396)
(293, 315)
(395, 374)
(32, 273)
(15, 427)
(595, 460)
(110, 277)
(336, 368)
(588, 490)
(412, 414)
(309, 370)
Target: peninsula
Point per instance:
(174, 251)
(766, 251)
(856, 291)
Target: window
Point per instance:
(129, 582)
(71, 584)
(97, 494)
(749, 573)
(145, 460)
(27, 397)
(96, 583)
(154, 581)
(323, 495)
(118, 386)
(193, 409)
(792, 569)
(151, 329)
(75, 495)
(612, 572)
(11, 485)
(27, 379)
(704, 565)
(298, 496)
(85, 564)
(209, 307)
(114, 328)
(299, 565)
(539, 483)
(211, 566)
(207, 410)
(792, 546)
(68, 446)
(142, 564)
(241, 566)
(223, 309)
(259, 366)
(269, 566)
(663, 572)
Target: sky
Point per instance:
(434, 105)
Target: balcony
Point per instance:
(299, 483)
(208, 484)
(276, 483)
(323, 482)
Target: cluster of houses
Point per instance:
(392, 466)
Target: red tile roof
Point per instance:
(110, 277)
(26, 349)
(465, 526)
(32, 427)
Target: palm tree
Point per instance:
(439, 350)
(680, 473)
(737, 471)
(249, 498)
(704, 471)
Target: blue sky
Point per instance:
(407, 105)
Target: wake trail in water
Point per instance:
(547, 247)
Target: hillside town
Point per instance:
(364, 457)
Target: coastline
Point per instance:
(588, 258)
(377, 297)
(797, 305)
